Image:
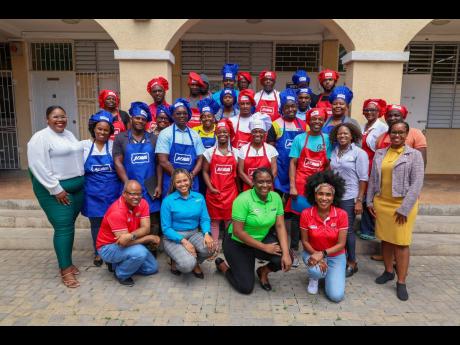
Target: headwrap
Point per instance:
(208, 105)
(287, 95)
(247, 95)
(244, 75)
(328, 74)
(101, 115)
(181, 102)
(223, 124)
(380, 103)
(399, 107)
(315, 112)
(267, 74)
(259, 120)
(304, 90)
(140, 109)
(106, 93)
(164, 109)
(228, 91)
(300, 77)
(342, 92)
(205, 78)
(160, 81)
(229, 71)
(194, 78)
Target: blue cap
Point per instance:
(228, 91)
(101, 115)
(181, 102)
(304, 90)
(140, 109)
(287, 95)
(300, 77)
(164, 109)
(208, 105)
(342, 92)
(229, 71)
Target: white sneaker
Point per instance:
(294, 258)
(312, 288)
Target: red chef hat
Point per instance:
(328, 74)
(380, 103)
(267, 74)
(247, 95)
(106, 93)
(160, 81)
(315, 111)
(194, 78)
(246, 76)
(399, 107)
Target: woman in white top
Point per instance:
(256, 154)
(56, 169)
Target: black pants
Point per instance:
(241, 260)
(294, 230)
(95, 226)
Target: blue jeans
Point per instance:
(335, 275)
(126, 261)
(349, 207)
(367, 222)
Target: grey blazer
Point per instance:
(407, 178)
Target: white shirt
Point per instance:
(54, 156)
(270, 151)
(244, 123)
(86, 144)
(376, 130)
(208, 153)
(267, 96)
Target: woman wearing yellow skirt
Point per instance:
(392, 198)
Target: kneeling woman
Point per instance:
(183, 215)
(324, 234)
(254, 212)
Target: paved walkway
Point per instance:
(31, 294)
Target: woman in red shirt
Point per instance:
(324, 234)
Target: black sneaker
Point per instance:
(386, 276)
(401, 292)
(127, 282)
(109, 267)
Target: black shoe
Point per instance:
(98, 262)
(109, 267)
(266, 286)
(386, 276)
(127, 282)
(198, 275)
(218, 261)
(175, 272)
(401, 292)
(350, 270)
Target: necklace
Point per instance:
(342, 151)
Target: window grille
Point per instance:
(51, 56)
(291, 57)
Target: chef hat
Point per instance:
(229, 71)
(181, 102)
(304, 90)
(260, 120)
(164, 109)
(342, 92)
(208, 105)
(106, 93)
(402, 109)
(300, 77)
(101, 115)
(244, 75)
(246, 95)
(228, 91)
(223, 124)
(267, 74)
(315, 112)
(140, 109)
(380, 103)
(160, 81)
(194, 78)
(328, 74)
(287, 95)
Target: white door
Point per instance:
(54, 88)
(415, 95)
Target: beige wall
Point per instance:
(176, 72)
(330, 54)
(22, 103)
(443, 157)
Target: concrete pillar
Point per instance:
(330, 55)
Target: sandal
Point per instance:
(75, 270)
(70, 283)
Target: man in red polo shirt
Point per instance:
(124, 230)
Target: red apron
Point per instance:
(309, 163)
(323, 104)
(382, 144)
(253, 163)
(195, 119)
(368, 150)
(222, 170)
(240, 138)
(118, 127)
(268, 107)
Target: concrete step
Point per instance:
(32, 219)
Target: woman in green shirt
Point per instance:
(254, 213)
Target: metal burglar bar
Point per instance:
(52, 56)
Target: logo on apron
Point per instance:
(267, 110)
(116, 131)
(100, 168)
(223, 169)
(251, 171)
(288, 144)
(312, 163)
(140, 158)
(180, 158)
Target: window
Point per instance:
(52, 56)
(5, 56)
(291, 57)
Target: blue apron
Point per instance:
(139, 163)
(181, 156)
(283, 146)
(102, 185)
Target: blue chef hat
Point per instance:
(304, 90)
(101, 115)
(164, 109)
(227, 91)
(140, 109)
(229, 71)
(300, 77)
(181, 102)
(208, 105)
(342, 92)
(286, 96)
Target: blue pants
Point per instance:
(335, 275)
(367, 222)
(126, 261)
(349, 207)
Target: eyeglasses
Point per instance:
(133, 193)
(159, 119)
(398, 133)
(370, 110)
(58, 117)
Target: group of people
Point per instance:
(275, 170)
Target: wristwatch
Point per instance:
(324, 254)
(359, 199)
(133, 237)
